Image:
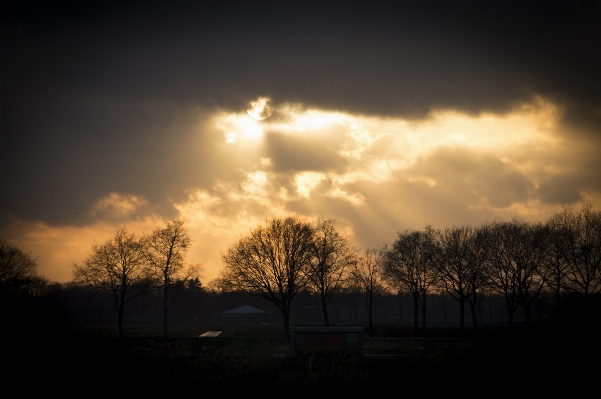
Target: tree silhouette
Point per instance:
(460, 262)
(366, 276)
(272, 262)
(164, 250)
(117, 266)
(516, 251)
(332, 256)
(556, 270)
(578, 243)
(409, 264)
(19, 281)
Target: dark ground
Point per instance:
(541, 358)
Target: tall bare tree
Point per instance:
(556, 270)
(578, 243)
(516, 251)
(164, 250)
(461, 265)
(272, 262)
(409, 266)
(117, 266)
(366, 275)
(332, 256)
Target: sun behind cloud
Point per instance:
(261, 108)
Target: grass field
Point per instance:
(255, 358)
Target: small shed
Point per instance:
(326, 340)
(246, 314)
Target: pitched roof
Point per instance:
(246, 309)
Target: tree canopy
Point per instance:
(272, 261)
(19, 281)
(117, 266)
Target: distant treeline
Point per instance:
(66, 303)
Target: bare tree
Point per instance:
(556, 270)
(461, 265)
(117, 266)
(19, 281)
(332, 256)
(272, 262)
(366, 275)
(409, 266)
(516, 251)
(578, 243)
(164, 250)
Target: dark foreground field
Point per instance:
(254, 359)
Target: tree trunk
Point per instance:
(461, 314)
(286, 316)
(401, 305)
(371, 330)
(424, 311)
(120, 319)
(324, 309)
(473, 305)
(415, 313)
(165, 304)
(490, 308)
(119, 307)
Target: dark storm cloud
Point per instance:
(377, 58)
(301, 153)
(102, 144)
(77, 79)
(579, 176)
(561, 189)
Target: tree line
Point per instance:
(515, 259)
(280, 258)
(127, 266)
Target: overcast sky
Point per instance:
(387, 118)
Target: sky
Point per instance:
(386, 117)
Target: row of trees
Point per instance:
(515, 259)
(282, 257)
(129, 265)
